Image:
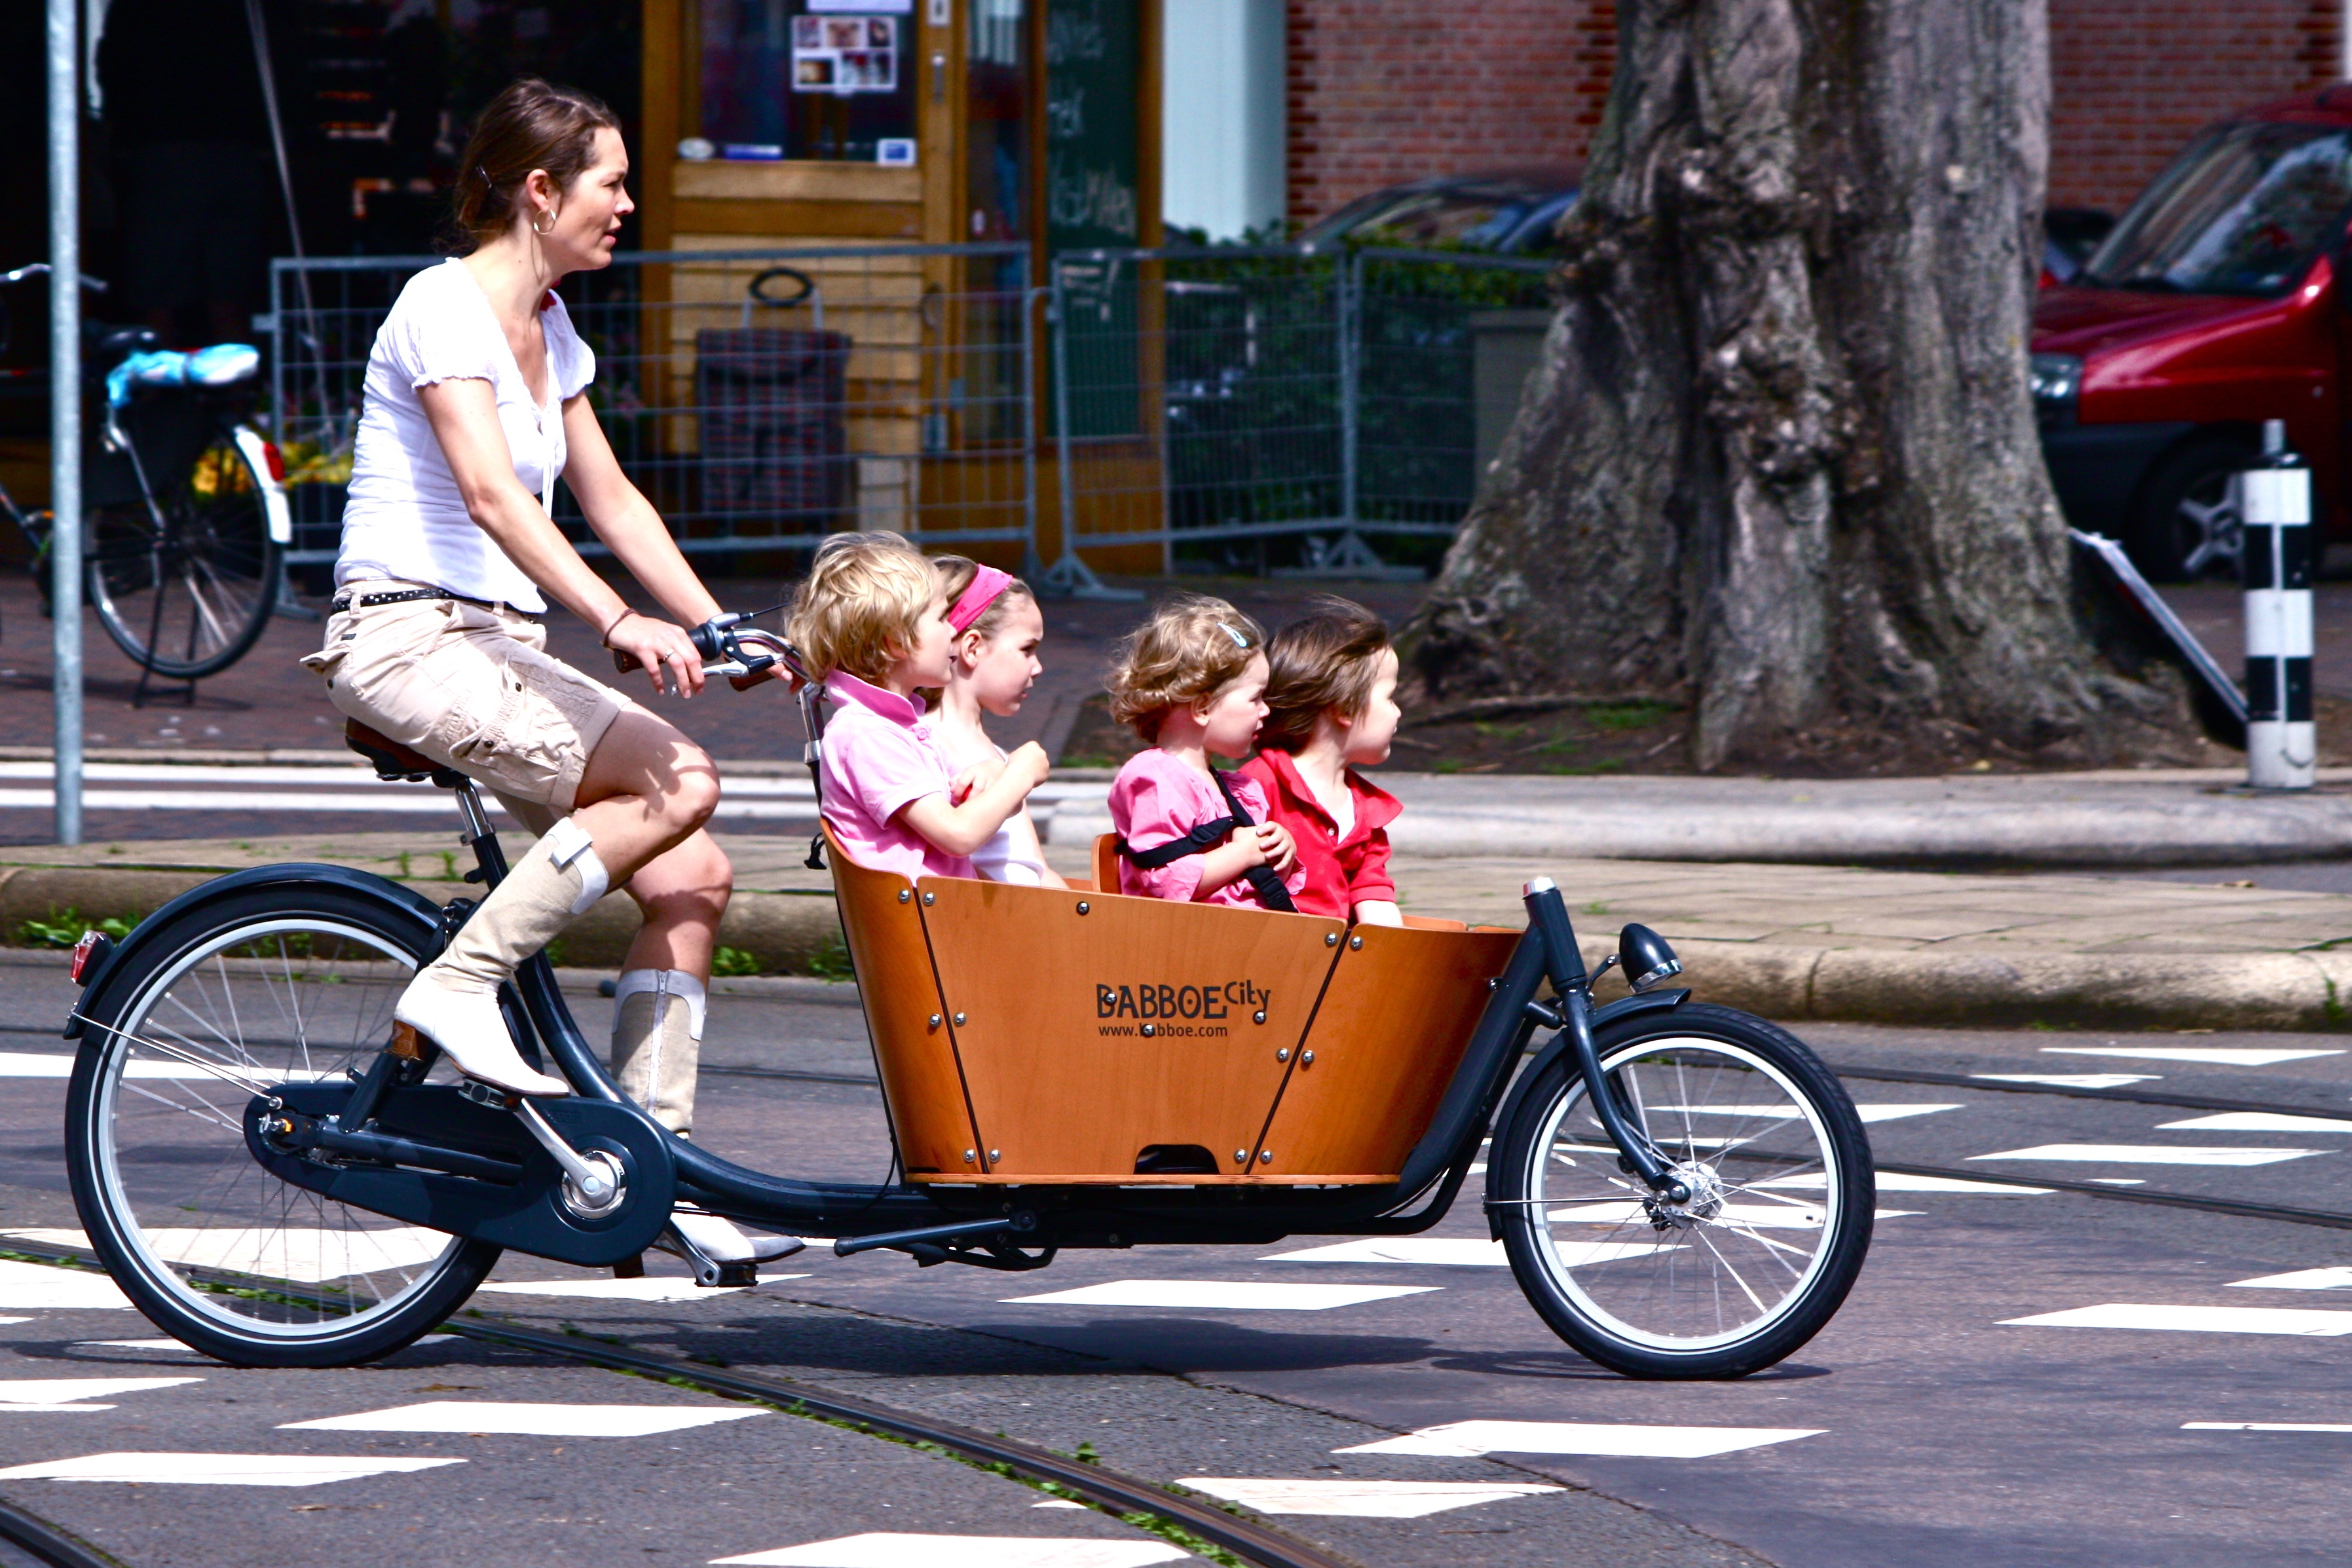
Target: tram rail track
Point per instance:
(2158, 1197)
(2074, 1091)
(1183, 1520)
(36, 1537)
(1174, 1516)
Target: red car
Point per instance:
(2212, 306)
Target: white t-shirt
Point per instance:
(404, 518)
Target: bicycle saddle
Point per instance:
(393, 762)
(121, 340)
(223, 365)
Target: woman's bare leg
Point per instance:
(682, 893)
(647, 790)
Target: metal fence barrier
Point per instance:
(1230, 396)
(762, 398)
(1207, 401)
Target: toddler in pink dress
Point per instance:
(1192, 680)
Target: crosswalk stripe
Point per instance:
(470, 1416)
(890, 1550)
(219, 1470)
(2153, 1153)
(2257, 1121)
(2304, 1320)
(40, 1287)
(2264, 1427)
(1360, 1499)
(1221, 1295)
(1471, 1439)
(648, 1288)
(2223, 1056)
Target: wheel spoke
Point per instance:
(1680, 1276)
(265, 1000)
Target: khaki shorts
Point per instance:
(472, 687)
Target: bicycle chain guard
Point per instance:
(529, 1216)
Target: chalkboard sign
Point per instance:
(1094, 53)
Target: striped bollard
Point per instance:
(2275, 564)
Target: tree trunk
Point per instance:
(1779, 461)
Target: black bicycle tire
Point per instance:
(134, 646)
(457, 1276)
(1514, 1145)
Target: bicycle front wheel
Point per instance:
(185, 587)
(263, 986)
(1773, 1234)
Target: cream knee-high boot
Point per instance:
(657, 1042)
(657, 1045)
(453, 1001)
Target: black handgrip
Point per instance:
(709, 640)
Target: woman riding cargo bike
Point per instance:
(311, 1108)
(474, 402)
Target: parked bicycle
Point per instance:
(185, 519)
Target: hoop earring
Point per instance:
(543, 233)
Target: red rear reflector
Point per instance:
(276, 460)
(91, 945)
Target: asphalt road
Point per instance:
(1928, 1424)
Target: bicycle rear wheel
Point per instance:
(188, 594)
(263, 986)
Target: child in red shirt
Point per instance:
(1331, 695)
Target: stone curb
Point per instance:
(1972, 988)
(782, 930)
(2285, 991)
(2227, 831)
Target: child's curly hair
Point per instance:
(862, 604)
(1324, 661)
(1191, 647)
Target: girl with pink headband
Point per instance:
(992, 664)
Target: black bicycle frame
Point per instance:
(932, 1222)
(1086, 1215)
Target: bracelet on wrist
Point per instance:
(605, 637)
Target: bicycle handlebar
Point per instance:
(40, 269)
(744, 654)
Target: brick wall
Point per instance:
(1383, 90)
(2131, 81)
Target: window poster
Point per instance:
(844, 54)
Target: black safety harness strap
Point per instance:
(1206, 837)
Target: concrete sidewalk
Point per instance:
(1787, 942)
(2108, 820)
(2183, 817)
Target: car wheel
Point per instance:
(2186, 524)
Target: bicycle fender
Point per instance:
(527, 1216)
(275, 506)
(1624, 1007)
(399, 901)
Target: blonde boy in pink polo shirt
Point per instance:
(871, 622)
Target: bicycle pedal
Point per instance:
(735, 1276)
(630, 1268)
(483, 1094)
